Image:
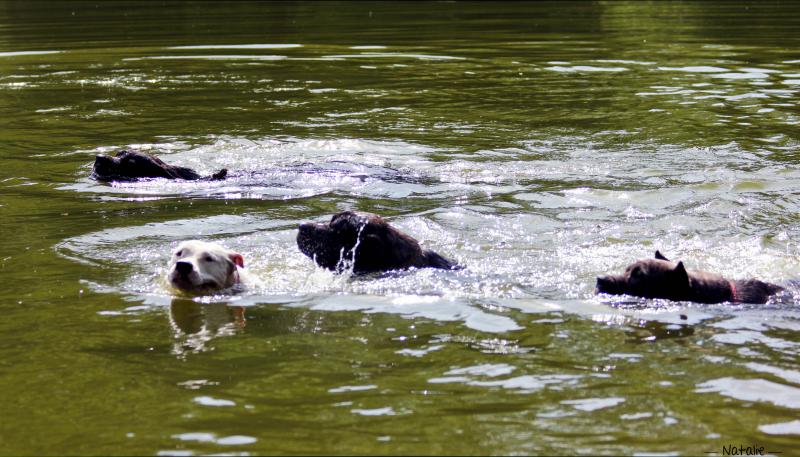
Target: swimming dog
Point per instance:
(660, 278)
(132, 165)
(199, 267)
(367, 243)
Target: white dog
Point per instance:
(201, 267)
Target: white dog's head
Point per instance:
(198, 267)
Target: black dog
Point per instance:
(660, 278)
(366, 242)
(133, 165)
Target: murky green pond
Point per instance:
(538, 144)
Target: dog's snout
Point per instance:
(183, 268)
(307, 231)
(306, 228)
(607, 284)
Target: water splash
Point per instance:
(347, 265)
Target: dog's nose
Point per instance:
(183, 268)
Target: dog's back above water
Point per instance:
(366, 243)
(660, 278)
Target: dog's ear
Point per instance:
(660, 256)
(680, 273)
(237, 259)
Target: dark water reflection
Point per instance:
(539, 144)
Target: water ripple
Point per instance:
(753, 390)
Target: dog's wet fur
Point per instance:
(130, 165)
(367, 244)
(661, 278)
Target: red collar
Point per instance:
(734, 295)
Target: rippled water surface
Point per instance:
(538, 144)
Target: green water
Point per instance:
(538, 144)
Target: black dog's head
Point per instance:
(366, 242)
(648, 278)
(129, 165)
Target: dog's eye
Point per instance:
(208, 258)
(179, 253)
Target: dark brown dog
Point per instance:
(133, 165)
(660, 278)
(366, 242)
